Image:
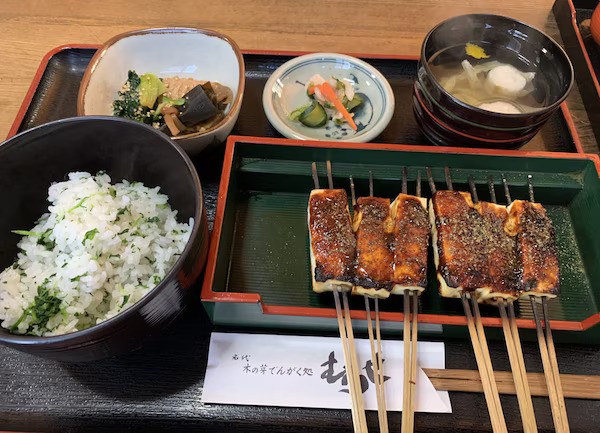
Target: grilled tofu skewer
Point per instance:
(503, 289)
(332, 254)
(458, 241)
(370, 223)
(529, 222)
(409, 245)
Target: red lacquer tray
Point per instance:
(258, 270)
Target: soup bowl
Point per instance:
(446, 120)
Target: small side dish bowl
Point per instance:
(166, 52)
(124, 149)
(285, 91)
(482, 40)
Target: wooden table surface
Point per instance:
(137, 392)
(29, 29)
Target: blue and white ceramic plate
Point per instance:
(285, 92)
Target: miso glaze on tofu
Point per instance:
(410, 242)
(536, 248)
(503, 269)
(374, 260)
(332, 242)
(458, 243)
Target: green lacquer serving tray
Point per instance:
(258, 270)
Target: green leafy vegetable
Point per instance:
(27, 233)
(154, 219)
(80, 203)
(125, 299)
(156, 279)
(127, 104)
(151, 87)
(45, 240)
(89, 235)
(78, 277)
(45, 305)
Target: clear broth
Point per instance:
(447, 69)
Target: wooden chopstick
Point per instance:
(574, 385)
(489, 389)
(519, 374)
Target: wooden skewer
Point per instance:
(315, 175)
(529, 424)
(359, 421)
(498, 425)
(410, 338)
(554, 365)
(348, 362)
(355, 366)
(406, 383)
(407, 413)
(412, 335)
(513, 344)
(413, 359)
(548, 353)
(479, 342)
(380, 360)
(515, 334)
(381, 409)
(548, 373)
(488, 362)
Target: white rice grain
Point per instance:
(98, 250)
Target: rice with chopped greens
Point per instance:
(98, 251)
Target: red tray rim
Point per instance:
(582, 45)
(44, 64)
(208, 295)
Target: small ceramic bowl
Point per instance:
(166, 52)
(285, 92)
